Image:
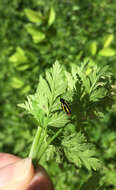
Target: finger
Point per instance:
(6, 159)
(41, 181)
(15, 175)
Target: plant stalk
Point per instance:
(34, 147)
(49, 142)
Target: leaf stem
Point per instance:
(34, 147)
(49, 142)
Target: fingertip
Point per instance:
(6, 159)
(16, 176)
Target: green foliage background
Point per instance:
(36, 33)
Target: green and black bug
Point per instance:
(65, 106)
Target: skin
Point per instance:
(19, 174)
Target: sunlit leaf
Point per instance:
(18, 57)
(33, 16)
(107, 52)
(93, 48)
(51, 18)
(37, 36)
(108, 40)
(16, 82)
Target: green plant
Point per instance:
(56, 133)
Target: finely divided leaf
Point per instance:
(79, 152)
(58, 120)
(44, 105)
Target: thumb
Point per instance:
(16, 175)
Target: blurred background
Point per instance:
(35, 33)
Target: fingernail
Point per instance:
(41, 180)
(15, 172)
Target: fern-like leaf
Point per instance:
(44, 105)
(79, 152)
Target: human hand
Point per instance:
(19, 174)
